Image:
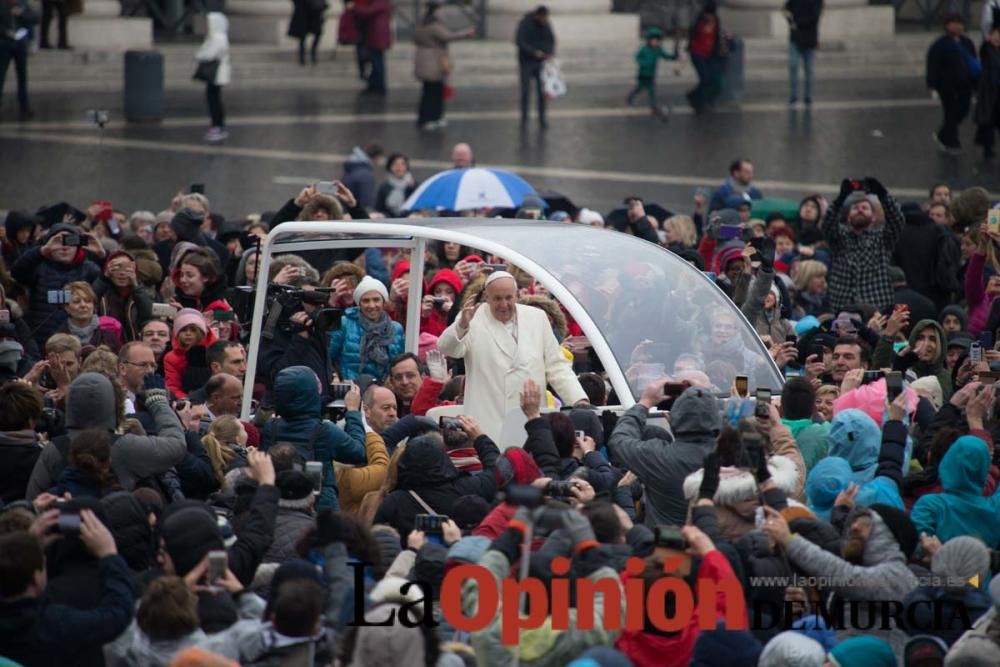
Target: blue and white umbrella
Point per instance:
(461, 189)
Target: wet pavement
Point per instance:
(596, 150)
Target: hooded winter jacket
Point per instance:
(345, 347)
(961, 509)
(661, 466)
(297, 393)
(437, 320)
(41, 275)
(882, 575)
(812, 439)
(856, 456)
(426, 470)
(883, 357)
(648, 649)
(90, 404)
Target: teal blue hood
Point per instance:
(297, 393)
(825, 481)
(965, 465)
(856, 437)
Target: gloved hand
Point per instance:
(579, 529)
(710, 476)
(846, 188)
(155, 389)
(765, 252)
(873, 186)
(759, 456)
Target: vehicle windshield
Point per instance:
(659, 314)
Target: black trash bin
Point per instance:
(143, 86)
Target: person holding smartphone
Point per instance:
(64, 255)
(119, 294)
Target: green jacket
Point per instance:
(811, 438)
(647, 57)
(543, 646)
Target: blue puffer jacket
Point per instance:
(297, 401)
(42, 317)
(345, 347)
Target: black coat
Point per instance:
(18, 453)
(804, 31)
(988, 97)
(40, 276)
(426, 469)
(307, 18)
(42, 632)
(946, 68)
(929, 255)
(533, 36)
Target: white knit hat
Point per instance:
(369, 284)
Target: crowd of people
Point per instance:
(148, 520)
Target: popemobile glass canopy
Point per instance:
(643, 309)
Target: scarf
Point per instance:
(86, 332)
(396, 197)
(375, 340)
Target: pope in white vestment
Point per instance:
(504, 344)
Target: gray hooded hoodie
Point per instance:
(882, 576)
(91, 404)
(661, 466)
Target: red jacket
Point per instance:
(427, 397)
(376, 17)
(646, 649)
(175, 363)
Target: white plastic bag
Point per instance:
(552, 81)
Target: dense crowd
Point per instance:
(147, 520)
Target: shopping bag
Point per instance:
(553, 85)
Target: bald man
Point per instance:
(504, 344)
(462, 157)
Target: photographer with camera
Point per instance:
(561, 451)
(297, 401)
(862, 227)
(660, 465)
(291, 337)
(574, 539)
(64, 619)
(65, 255)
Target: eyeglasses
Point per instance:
(149, 365)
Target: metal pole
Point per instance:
(260, 301)
(415, 295)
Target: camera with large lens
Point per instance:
(283, 301)
(559, 489)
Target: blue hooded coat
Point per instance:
(345, 347)
(297, 401)
(855, 442)
(961, 509)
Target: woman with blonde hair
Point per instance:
(810, 286)
(679, 230)
(226, 443)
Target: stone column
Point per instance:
(841, 20)
(102, 28)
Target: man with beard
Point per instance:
(861, 247)
(872, 572)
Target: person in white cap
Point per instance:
(505, 344)
(368, 338)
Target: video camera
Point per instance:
(284, 301)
